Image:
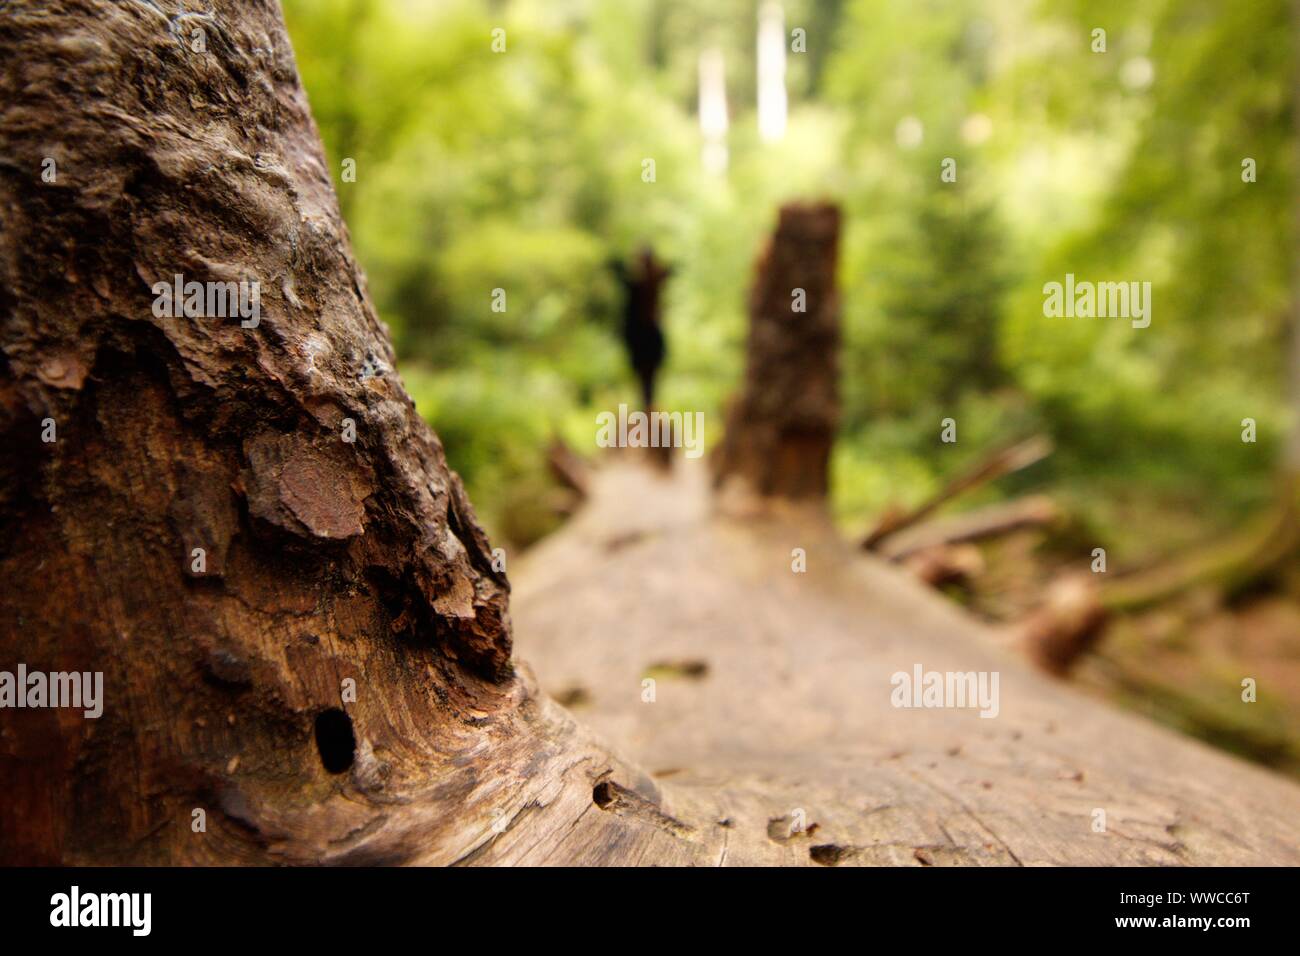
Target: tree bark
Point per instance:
(781, 427)
(324, 560)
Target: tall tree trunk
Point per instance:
(781, 427)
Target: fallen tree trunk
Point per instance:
(1003, 462)
(303, 634)
(779, 703)
(993, 521)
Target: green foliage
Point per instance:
(522, 170)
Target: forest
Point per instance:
(1159, 153)
(646, 433)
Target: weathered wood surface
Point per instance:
(326, 560)
(331, 561)
(773, 695)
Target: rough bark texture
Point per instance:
(325, 559)
(780, 429)
(329, 560)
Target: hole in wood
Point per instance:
(604, 794)
(335, 740)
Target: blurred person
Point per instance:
(642, 332)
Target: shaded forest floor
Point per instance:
(1182, 662)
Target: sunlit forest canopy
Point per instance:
(521, 168)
